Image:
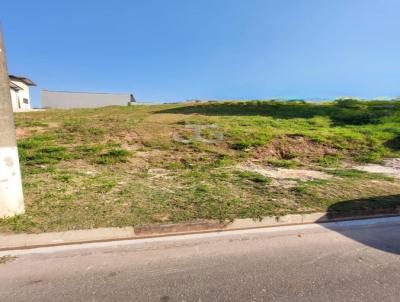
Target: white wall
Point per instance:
(67, 100)
(14, 100)
(19, 98)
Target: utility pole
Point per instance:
(11, 196)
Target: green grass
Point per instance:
(329, 160)
(303, 188)
(357, 174)
(113, 156)
(119, 166)
(254, 177)
(284, 163)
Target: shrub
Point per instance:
(349, 103)
(297, 101)
(370, 157)
(241, 145)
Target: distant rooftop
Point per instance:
(84, 92)
(22, 79)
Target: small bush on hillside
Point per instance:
(241, 145)
(297, 101)
(370, 157)
(349, 103)
(358, 116)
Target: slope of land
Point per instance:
(120, 166)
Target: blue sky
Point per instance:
(172, 50)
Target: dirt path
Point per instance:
(390, 167)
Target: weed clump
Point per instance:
(113, 156)
(284, 163)
(330, 160)
(254, 177)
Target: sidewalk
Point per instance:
(24, 241)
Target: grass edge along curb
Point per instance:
(26, 241)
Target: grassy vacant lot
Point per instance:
(121, 166)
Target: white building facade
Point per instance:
(19, 89)
(69, 99)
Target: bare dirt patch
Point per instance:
(293, 146)
(389, 167)
(161, 158)
(80, 166)
(129, 139)
(25, 132)
(158, 172)
(283, 173)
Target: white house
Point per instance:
(19, 89)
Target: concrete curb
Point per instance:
(25, 241)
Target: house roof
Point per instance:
(14, 86)
(22, 79)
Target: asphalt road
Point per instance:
(356, 261)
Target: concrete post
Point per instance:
(11, 196)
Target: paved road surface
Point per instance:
(357, 261)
